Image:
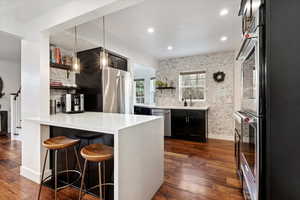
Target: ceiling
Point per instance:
(190, 26)
(26, 10)
(10, 48)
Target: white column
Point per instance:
(34, 102)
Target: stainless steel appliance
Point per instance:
(106, 89)
(237, 141)
(167, 119)
(252, 59)
(250, 159)
(117, 91)
(277, 126)
(72, 103)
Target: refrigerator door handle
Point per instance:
(121, 94)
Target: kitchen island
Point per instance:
(138, 143)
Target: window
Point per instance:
(192, 85)
(152, 90)
(139, 90)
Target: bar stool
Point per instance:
(56, 144)
(96, 153)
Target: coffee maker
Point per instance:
(72, 103)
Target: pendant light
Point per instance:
(103, 52)
(76, 61)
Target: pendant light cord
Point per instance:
(75, 41)
(104, 42)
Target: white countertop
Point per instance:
(172, 107)
(95, 121)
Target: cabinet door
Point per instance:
(117, 62)
(142, 111)
(179, 123)
(196, 125)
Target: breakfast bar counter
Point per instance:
(138, 143)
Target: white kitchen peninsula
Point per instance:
(138, 148)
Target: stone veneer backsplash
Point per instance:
(60, 75)
(219, 96)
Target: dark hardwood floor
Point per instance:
(193, 171)
(200, 171)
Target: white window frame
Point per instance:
(142, 97)
(152, 90)
(180, 85)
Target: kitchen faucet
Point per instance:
(191, 101)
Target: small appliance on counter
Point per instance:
(72, 103)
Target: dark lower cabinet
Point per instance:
(142, 111)
(189, 125)
(3, 122)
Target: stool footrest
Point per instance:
(96, 186)
(104, 184)
(63, 172)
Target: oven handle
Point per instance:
(237, 117)
(248, 36)
(248, 119)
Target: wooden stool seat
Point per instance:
(97, 152)
(60, 142)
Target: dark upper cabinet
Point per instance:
(117, 61)
(189, 125)
(92, 58)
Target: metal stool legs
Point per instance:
(56, 172)
(82, 179)
(100, 180)
(44, 165)
(101, 193)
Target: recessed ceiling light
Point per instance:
(150, 30)
(224, 12)
(170, 48)
(224, 38)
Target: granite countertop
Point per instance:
(109, 123)
(172, 107)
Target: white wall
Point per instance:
(219, 96)
(146, 73)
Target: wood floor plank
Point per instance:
(193, 171)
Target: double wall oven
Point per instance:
(251, 113)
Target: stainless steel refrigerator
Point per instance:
(108, 89)
(117, 91)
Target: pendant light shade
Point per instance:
(103, 58)
(103, 52)
(76, 64)
(76, 61)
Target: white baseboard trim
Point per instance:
(221, 137)
(16, 137)
(33, 175)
